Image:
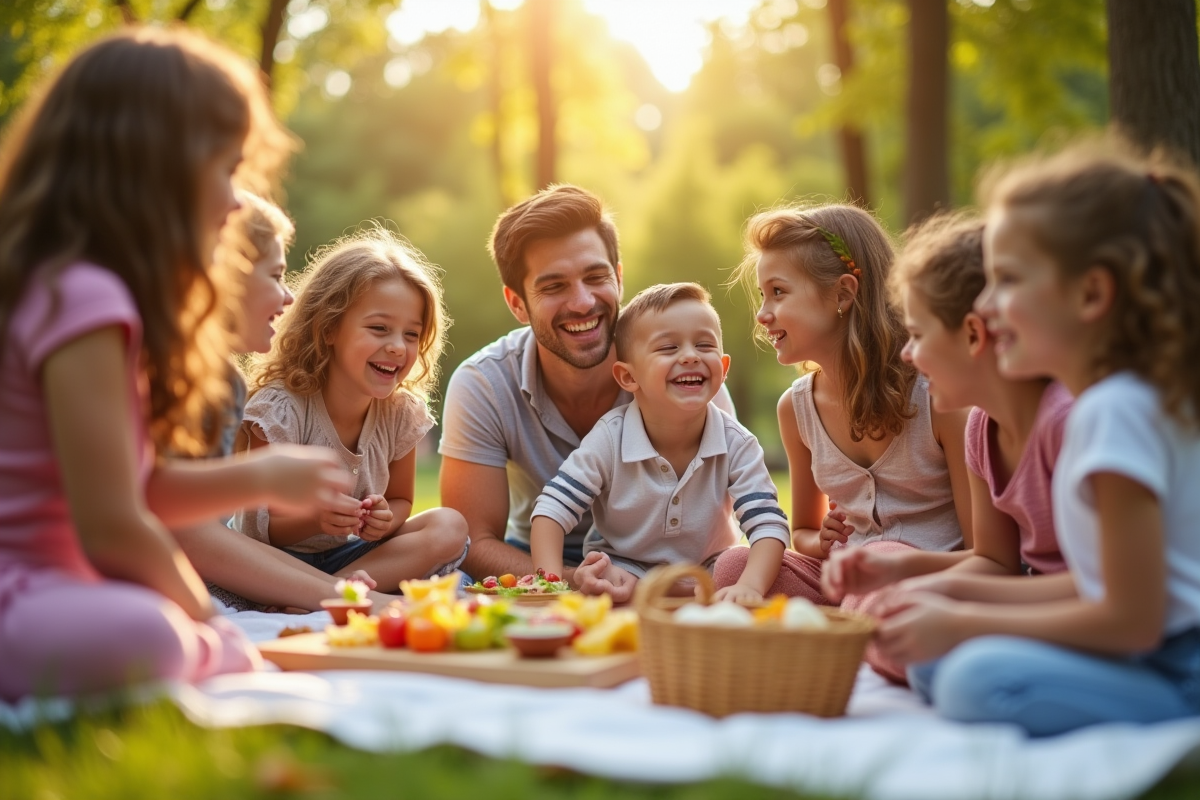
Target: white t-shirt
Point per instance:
(1119, 426)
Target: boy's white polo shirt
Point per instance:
(644, 512)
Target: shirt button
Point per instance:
(675, 500)
(662, 467)
(674, 521)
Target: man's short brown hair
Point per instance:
(556, 211)
(655, 300)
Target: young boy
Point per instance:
(665, 475)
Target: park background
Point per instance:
(686, 117)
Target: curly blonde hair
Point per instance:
(878, 384)
(106, 166)
(1138, 217)
(942, 262)
(339, 274)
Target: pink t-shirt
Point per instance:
(1026, 498)
(35, 521)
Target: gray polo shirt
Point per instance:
(497, 413)
(647, 514)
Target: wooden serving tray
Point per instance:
(309, 652)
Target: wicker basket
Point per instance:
(722, 671)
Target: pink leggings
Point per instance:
(800, 576)
(62, 634)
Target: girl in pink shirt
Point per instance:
(113, 188)
(1013, 434)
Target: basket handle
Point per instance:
(660, 580)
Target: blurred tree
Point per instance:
(926, 180)
(541, 62)
(850, 137)
(1154, 73)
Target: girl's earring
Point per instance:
(840, 314)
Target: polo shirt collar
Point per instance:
(636, 446)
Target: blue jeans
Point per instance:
(1047, 689)
(332, 561)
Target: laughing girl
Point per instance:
(859, 430)
(353, 363)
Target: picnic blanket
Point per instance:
(888, 747)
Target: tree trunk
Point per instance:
(541, 34)
(496, 101)
(1154, 74)
(926, 176)
(272, 24)
(850, 138)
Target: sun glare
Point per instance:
(670, 34)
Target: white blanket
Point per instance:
(889, 747)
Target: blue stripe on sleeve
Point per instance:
(749, 498)
(572, 511)
(575, 484)
(583, 503)
(754, 512)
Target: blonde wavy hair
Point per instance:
(1098, 204)
(106, 165)
(340, 274)
(878, 384)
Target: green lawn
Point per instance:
(153, 752)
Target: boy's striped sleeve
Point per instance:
(755, 500)
(570, 493)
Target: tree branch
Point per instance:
(187, 10)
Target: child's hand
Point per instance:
(737, 594)
(857, 570)
(598, 575)
(342, 517)
(376, 517)
(917, 626)
(301, 478)
(834, 529)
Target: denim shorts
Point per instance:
(331, 562)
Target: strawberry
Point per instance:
(490, 582)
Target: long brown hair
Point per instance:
(340, 274)
(878, 384)
(1097, 204)
(105, 166)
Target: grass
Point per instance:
(152, 752)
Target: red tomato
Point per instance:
(490, 582)
(392, 628)
(508, 580)
(425, 636)
(550, 576)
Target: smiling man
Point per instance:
(516, 409)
